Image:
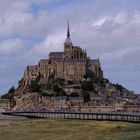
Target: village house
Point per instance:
(4, 104)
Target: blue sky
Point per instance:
(108, 29)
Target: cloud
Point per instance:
(11, 46)
(115, 41)
(27, 36)
(53, 42)
(18, 18)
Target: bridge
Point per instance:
(115, 116)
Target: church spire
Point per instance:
(68, 31)
(68, 39)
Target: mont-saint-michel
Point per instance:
(80, 80)
(70, 81)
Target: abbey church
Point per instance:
(71, 64)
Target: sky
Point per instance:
(108, 29)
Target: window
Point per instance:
(67, 46)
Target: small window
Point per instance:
(67, 47)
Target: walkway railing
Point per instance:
(128, 117)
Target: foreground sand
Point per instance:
(43, 129)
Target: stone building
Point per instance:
(71, 64)
(73, 88)
(4, 104)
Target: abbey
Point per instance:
(71, 64)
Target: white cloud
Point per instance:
(11, 46)
(101, 21)
(17, 18)
(54, 42)
(113, 37)
(120, 18)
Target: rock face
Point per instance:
(35, 102)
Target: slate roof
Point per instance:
(61, 60)
(57, 53)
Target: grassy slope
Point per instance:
(69, 130)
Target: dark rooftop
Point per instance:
(55, 53)
(61, 60)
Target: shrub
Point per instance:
(74, 94)
(56, 88)
(10, 94)
(34, 87)
(119, 87)
(86, 96)
(87, 86)
(90, 74)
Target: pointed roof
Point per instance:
(68, 39)
(68, 31)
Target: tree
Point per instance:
(10, 94)
(20, 82)
(74, 94)
(119, 87)
(11, 90)
(45, 93)
(34, 87)
(86, 96)
(90, 74)
(59, 81)
(87, 85)
(70, 82)
(56, 88)
(63, 93)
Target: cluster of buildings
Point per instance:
(34, 102)
(109, 95)
(4, 105)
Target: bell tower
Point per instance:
(68, 45)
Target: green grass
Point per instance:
(45, 129)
